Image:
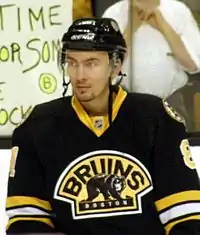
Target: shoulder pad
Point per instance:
(47, 109)
(172, 112)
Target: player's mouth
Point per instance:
(82, 86)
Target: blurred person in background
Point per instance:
(164, 44)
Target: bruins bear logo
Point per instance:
(108, 185)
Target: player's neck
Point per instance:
(98, 106)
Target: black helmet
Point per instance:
(94, 34)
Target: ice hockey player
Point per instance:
(103, 161)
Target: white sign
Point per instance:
(30, 39)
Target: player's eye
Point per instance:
(71, 63)
(91, 64)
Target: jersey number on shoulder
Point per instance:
(187, 155)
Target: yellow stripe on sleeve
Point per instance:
(17, 201)
(164, 203)
(17, 219)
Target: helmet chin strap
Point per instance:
(110, 101)
(65, 84)
(121, 75)
(113, 89)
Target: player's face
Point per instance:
(89, 73)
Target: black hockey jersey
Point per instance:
(77, 175)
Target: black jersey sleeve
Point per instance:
(28, 207)
(175, 179)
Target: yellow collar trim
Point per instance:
(98, 124)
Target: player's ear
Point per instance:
(116, 68)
